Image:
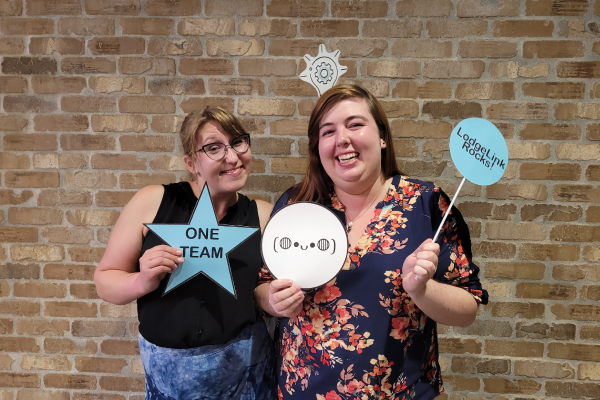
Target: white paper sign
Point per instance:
(305, 242)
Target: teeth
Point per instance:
(231, 170)
(346, 157)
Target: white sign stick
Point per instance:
(448, 210)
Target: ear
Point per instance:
(383, 144)
(190, 164)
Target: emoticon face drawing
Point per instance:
(305, 242)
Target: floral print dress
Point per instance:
(361, 336)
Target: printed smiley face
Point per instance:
(305, 242)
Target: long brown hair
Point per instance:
(316, 184)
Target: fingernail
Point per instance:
(178, 252)
(180, 260)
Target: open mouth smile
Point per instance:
(232, 171)
(346, 158)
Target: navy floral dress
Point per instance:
(361, 336)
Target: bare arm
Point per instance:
(446, 304)
(116, 278)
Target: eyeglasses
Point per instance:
(217, 151)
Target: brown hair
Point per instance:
(195, 120)
(316, 184)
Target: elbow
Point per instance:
(469, 316)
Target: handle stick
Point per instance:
(448, 210)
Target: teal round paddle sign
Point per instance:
(479, 151)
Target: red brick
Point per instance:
(545, 291)
(158, 143)
(476, 8)
(575, 233)
(68, 272)
(117, 161)
(28, 65)
(18, 234)
(26, 26)
(43, 290)
(538, 171)
(296, 8)
(572, 390)
(70, 309)
(139, 180)
(164, 46)
(514, 386)
(572, 351)
(170, 8)
(49, 85)
(112, 7)
(553, 49)
(84, 291)
(400, 108)
(578, 69)
(555, 7)
(370, 48)
(359, 9)
(523, 28)
(214, 66)
(267, 67)
(206, 26)
(329, 28)
(119, 347)
(11, 198)
(585, 193)
(149, 66)
(31, 179)
(453, 69)
(547, 131)
(293, 47)
(87, 104)
(232, 7)
(13, 84)
(147, 105)
(11, 46)
(70, 381)
(267, 27)
(194, 103)
(422, 48)
(122, 383)
(514, 270)
(393, 69)
(486, 49)
(19, 344)
(116, 46)
(550, 212)
(117, 123)
(86, 26)
(12, 8)
(448, 28)
(47, 46)
(99, 364)
(86, 142)
(460, 346)
(12, 123)
(19, 379)
(174, 86)
(25, 104)
(147, 26)
(451, 110)
(485, 90)
(103, 84)
(87, 65)
(554, 252)
(68, 235)
(42, 327)
(423, 8)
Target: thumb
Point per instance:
(420, 248)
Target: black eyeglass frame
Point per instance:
(245, 137)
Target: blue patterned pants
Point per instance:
(242, 368)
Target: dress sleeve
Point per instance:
(264, 275)
(455, 263)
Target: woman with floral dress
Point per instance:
(371, 333)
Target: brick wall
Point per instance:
(92, 92)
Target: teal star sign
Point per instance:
(204, 243)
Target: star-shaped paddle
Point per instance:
(205, 245)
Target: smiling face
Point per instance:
(225, 176)
(350, 146)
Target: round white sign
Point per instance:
(305, 242)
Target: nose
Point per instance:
(230, 155)
(343, 137)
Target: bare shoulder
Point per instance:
(264, 212)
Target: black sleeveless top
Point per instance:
(199, 312)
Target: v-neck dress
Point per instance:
(361, 335)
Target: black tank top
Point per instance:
(199, 312)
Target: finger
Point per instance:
(279, 284)
(167, 248)
(286, 293)
(428, 256)
(433, 247)
(425, 269)
(420, 248)
(163, 255)
(289, 303)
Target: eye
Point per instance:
(323, 244)
(285, 243)
(326, 133)
(296, 244)
(312, 245)
(240, 142)
(213, 148)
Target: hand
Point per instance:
(155, 264)
(285, 298)
(420, 267)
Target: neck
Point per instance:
(221, 200)
(354, 203)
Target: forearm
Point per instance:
(116, 286)
(446, 304)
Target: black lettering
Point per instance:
(183, 248)
(187, 233)
(502, 164)
(204, 252)
(214, 234)
(465, 146)
(458, 133)
(194, 251)
(217, 253)
(201, 232)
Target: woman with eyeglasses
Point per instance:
(197, 341)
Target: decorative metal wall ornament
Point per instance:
(323, 70)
